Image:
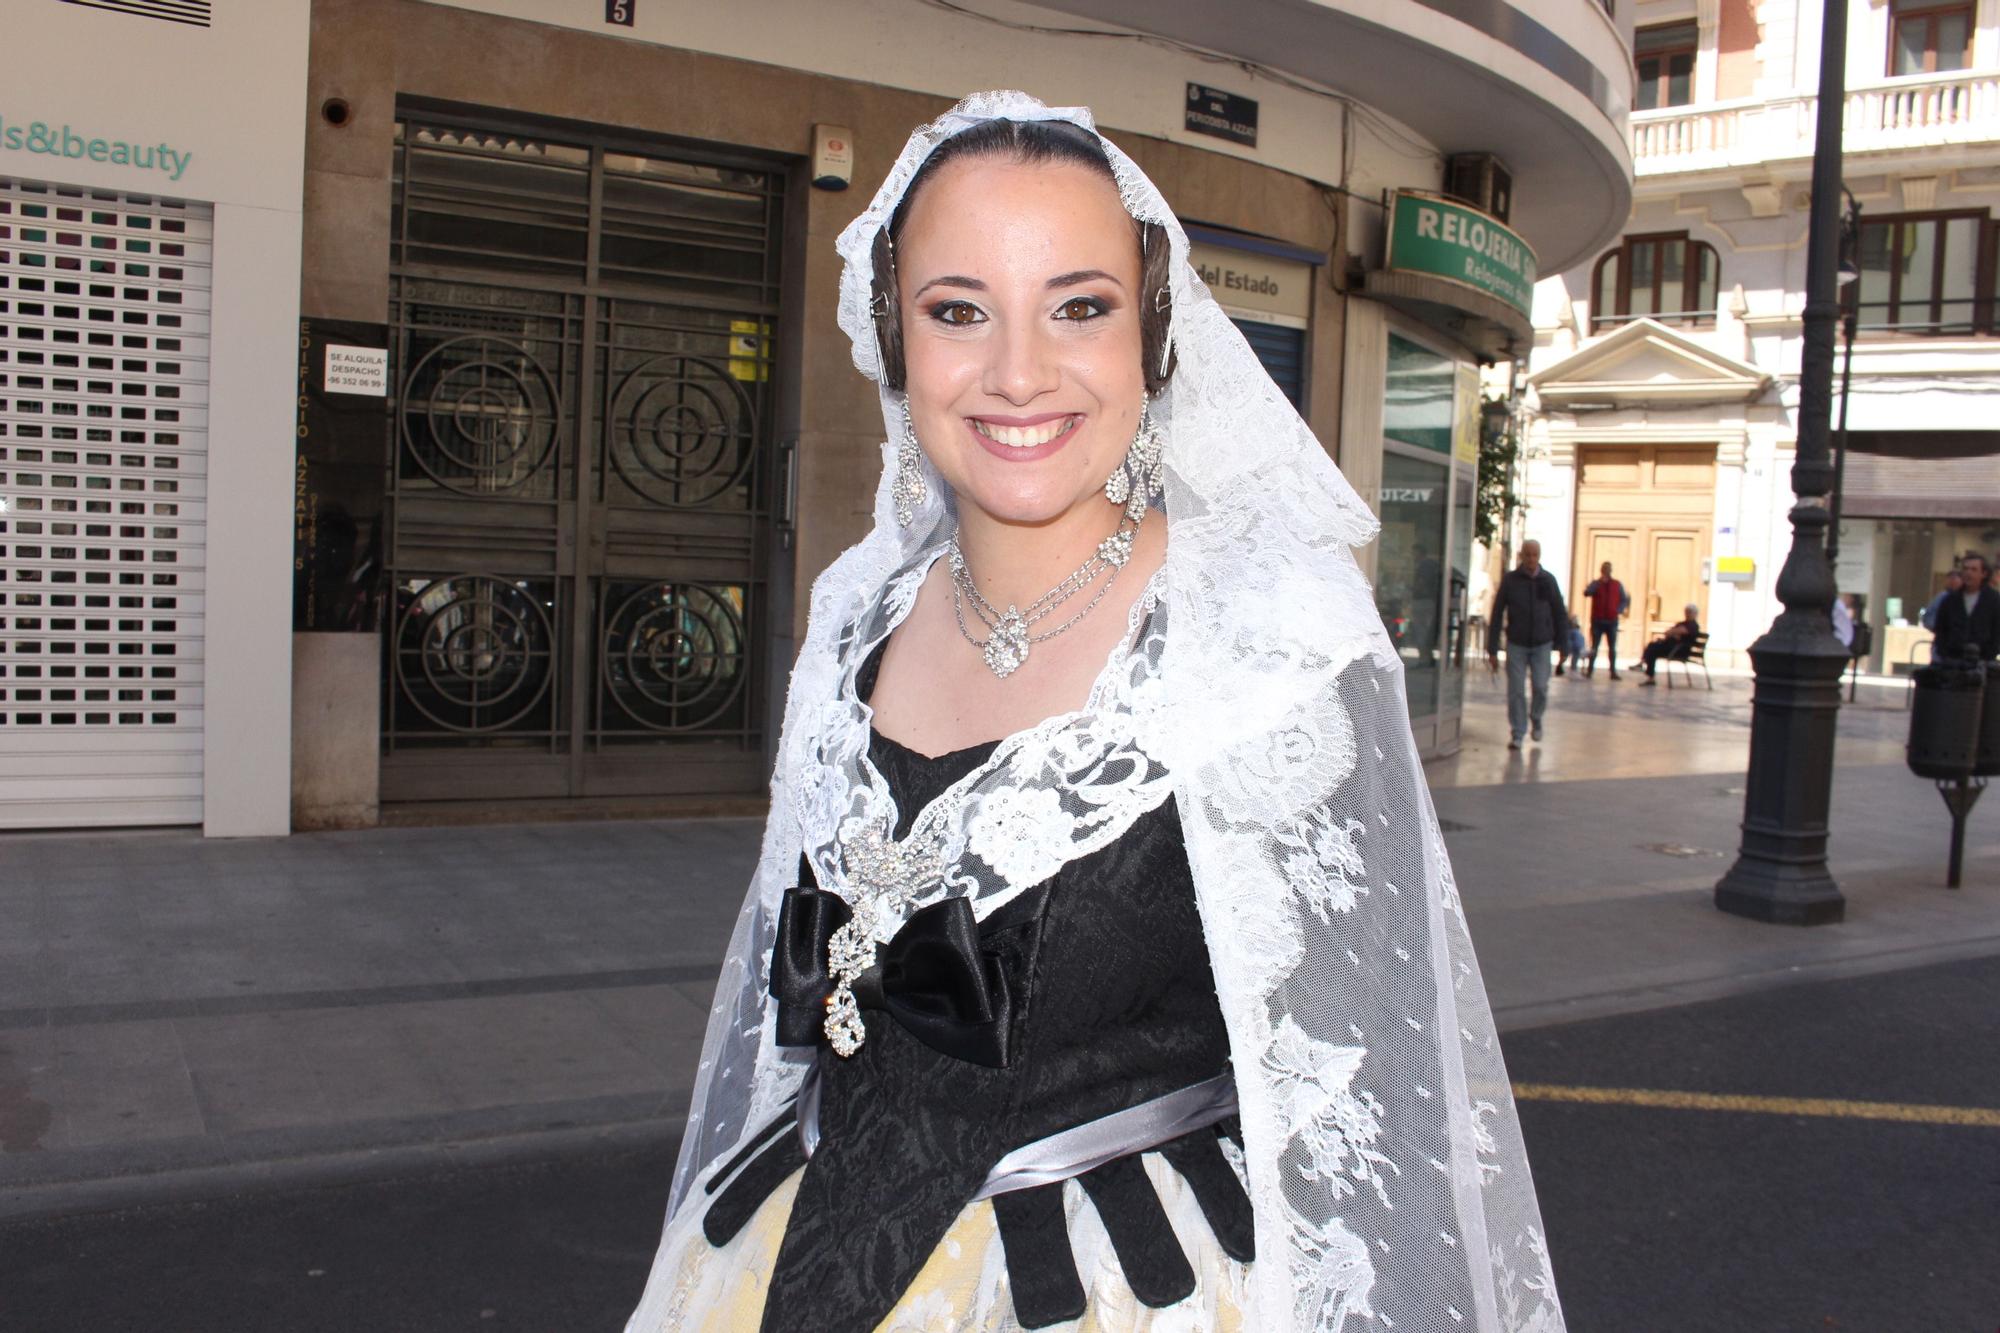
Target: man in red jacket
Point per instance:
(1608, 602)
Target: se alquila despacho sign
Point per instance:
(39, 136)
(1463, 245)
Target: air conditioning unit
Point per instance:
(1482, 180)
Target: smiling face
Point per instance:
(1021, 338)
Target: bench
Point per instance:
(1692, 654)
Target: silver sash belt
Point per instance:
(1087, 1146)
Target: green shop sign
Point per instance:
(1462, 245)
(39, 136)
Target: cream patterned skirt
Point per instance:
(699, 1288)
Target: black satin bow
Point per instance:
(933, 977)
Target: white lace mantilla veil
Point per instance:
(1384, 1158)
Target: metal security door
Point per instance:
(104, 309)
(1282, 353)
(580, 443)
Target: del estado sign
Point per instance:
(1462, 245)
(1254, 286)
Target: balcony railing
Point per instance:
(1920, 112)
(1917, 113)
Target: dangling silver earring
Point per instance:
(910, 489)
(1136, 480)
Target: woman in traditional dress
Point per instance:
(1103, 968)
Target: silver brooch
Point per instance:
(887, 877)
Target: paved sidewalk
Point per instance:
(181, 1017)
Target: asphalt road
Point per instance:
(1767, 1222)
(1774, 1220)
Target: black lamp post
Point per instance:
(1850, 290)
(1781, 873)
(1849, 281)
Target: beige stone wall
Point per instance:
(370, 52)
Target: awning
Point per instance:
(1942, 474)
(1484, 325)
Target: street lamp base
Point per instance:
(1781, 875)
(1781, 895)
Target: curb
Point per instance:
(110, 1194)
(1650, 999)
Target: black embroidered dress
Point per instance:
(1089, 994)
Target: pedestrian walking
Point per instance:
(1077, 913)
(1954, 584)
(1608, 604)
(1531, 605)
(1971, 620)
(1672, 645)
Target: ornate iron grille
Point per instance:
(580, 446)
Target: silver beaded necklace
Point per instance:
(1008, 635)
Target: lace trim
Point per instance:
(1048, 794)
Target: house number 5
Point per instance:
(620, 11)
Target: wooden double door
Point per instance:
(1649, 510)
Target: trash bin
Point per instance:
(1946, 720)
(1986, 763)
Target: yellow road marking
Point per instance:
(1716, 1101)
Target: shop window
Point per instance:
(1664, 55)
(1925, 273)
(1668, 277)
(1928, 38)
(1409, 581)
(1421, 416)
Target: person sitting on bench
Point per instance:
(1674, 645)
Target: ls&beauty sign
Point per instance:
(60, 140)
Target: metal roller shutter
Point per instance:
(104, 328)
(1283, 353)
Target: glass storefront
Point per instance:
(1429, 457)
(1409, 584)
(1894, 567)
(1457, 613)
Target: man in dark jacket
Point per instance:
(1532, 607)
(1971, 619)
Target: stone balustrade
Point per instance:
(1960, 107)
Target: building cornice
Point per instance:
(1732, 443)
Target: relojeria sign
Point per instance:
(1460, 244)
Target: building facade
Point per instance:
(569, 422)
(1664, 384)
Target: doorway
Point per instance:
(1649, 510)
(581, 493)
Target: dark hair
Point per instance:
(1031, 142)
